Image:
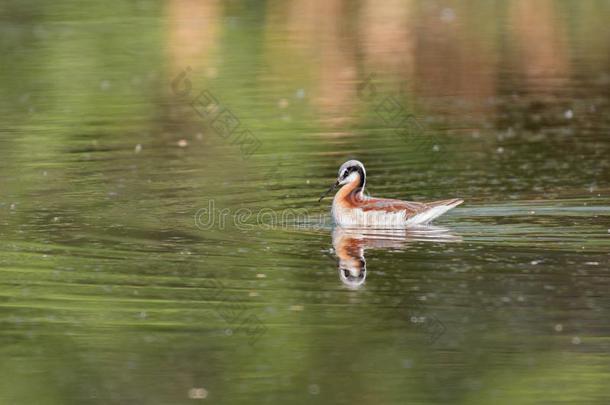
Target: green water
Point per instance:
(153, 255)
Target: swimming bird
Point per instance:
(351, 208)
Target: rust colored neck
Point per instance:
(351, 194)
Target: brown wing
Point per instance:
(411, 208)
(390, 205)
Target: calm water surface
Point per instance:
(152, 255)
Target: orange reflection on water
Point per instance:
(192, 35)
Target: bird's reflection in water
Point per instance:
(350, 244)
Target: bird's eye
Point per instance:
(344, 174)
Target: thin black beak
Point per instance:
(334, 186)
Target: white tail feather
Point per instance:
(434, 212)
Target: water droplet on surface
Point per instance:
(198, 393)
(447, 15)
(407, 363)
